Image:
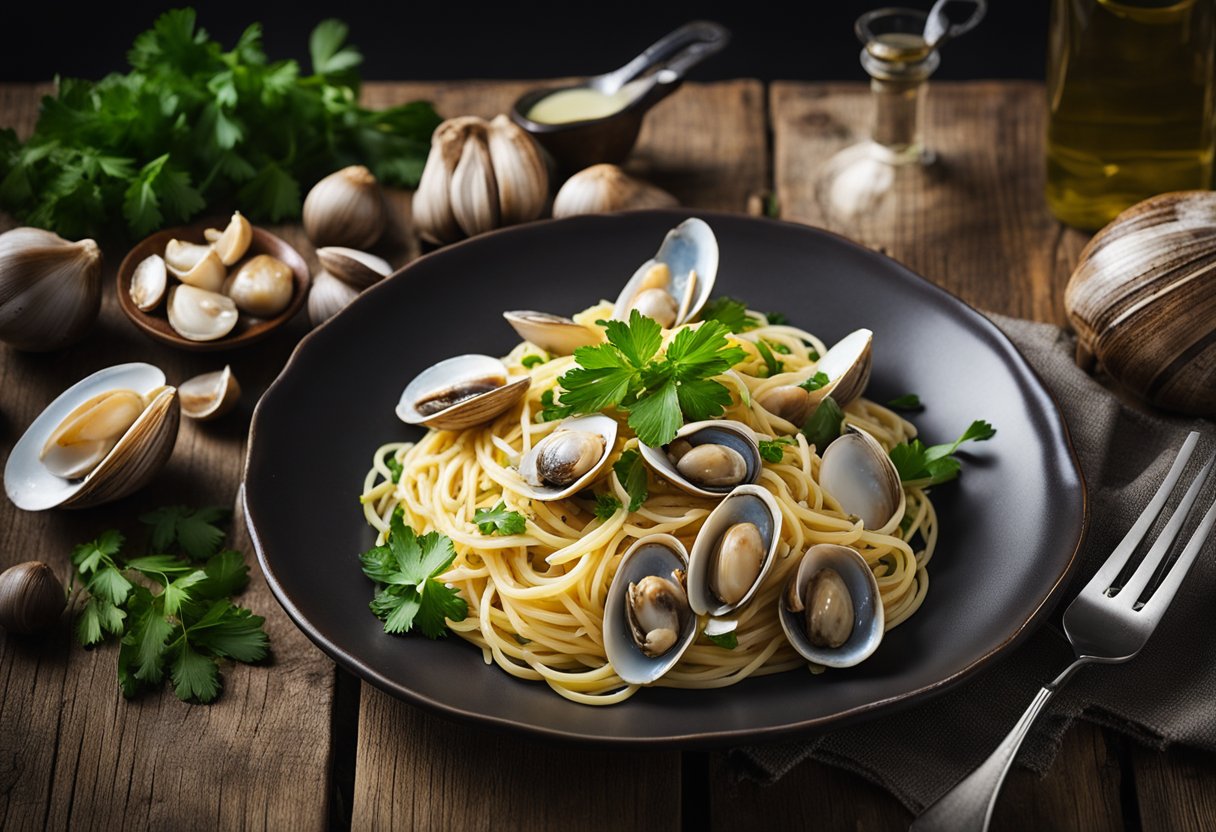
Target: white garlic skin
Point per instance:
(603, 188)
(327, 297)
(345, 208)
(50, 289)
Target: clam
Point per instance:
(859, 474)
(847, 365)
(103, 438)
(552, 333)
(148, 282)
(707, 458)
(262, 287)
(200, 315)
(830, 609)
(207, 272)
(460, 392)
(210, 395)
(675, 284)
(733, 551)
(353, 267)
(647, 621)
(569, 459)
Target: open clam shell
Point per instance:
(690, 253)
(657, 554)
(857, 471)
(134, 459)
(707, 566)
(210, 395)
(867, 612)
(460, 392)
(552, 333)
(736, 436)
(847, 365)
(593, 433)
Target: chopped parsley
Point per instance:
(936, 463)
(395, 468)
(550, 410)
(606, 505)
(773, 450)
(815, 382)
(727, 641)
(531, 361)
(824, 425)
(408, 595)
(499, 520)
(908, 401)
(631, 471)
(732, 314)
(771, 364)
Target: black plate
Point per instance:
(1010, 527)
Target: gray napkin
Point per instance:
(1163, 696)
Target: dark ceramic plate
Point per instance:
(1010, 527)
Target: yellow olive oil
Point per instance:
(1131, 86)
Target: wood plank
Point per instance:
(1175, 789)
(402, 752)
(75, 752)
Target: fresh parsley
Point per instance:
(631, 472)
(395, 468)
(606, 505)
(908, 401)
(193, 530)
(936, 463)
(550, 410)
(773, 450)
(824, 425)
(727, 641)
(659, 392)
(499, 520)
(815, 382)
(408, 595)
(771, 364)
(530, 361)
(732, 314)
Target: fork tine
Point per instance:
(1130, 592)
(1110, 570)
(1156, 606)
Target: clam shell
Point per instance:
(859, 474)
(869, 618)
(210, 395)
(690, 246)
(131, 463)
(472, 411)
(656, 554)
(605, 427)
(356, 268)
(552, 333)
(745, 504)
(722, 431)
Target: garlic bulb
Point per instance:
(345, 209)
(1143, 301)
(479, 175)
(31, 598)
(327, 297)
(603, 188)
(50, 289)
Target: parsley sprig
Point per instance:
(658, 391)
(631, 471)
(409, 595)
(499, 520)
(936, 463)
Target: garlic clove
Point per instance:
(519, 171)
(81, 441)
(345, 208)
(603, 188)
(432, 205)
(181, 256)
(208, 273)
(358, 268)
(474, 189)
(262, 287)
(211, 235)
(232, 244)
(50, 289)
(210, 395)
(148, 283)
(199, 315)
(327, 297)
(31, 598)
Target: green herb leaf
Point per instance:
(606, 506)
(824, 425)
(815, 382)
(326, 50)
(406, 569)
(499, 520)
(727, 641)
(771, 364)
(88, 556)
(177, 592)
(631, 472)
(227, 574)
(729, 312)
(195, 676)
(773, 450)
(908, 401)
(551, 412)
(396, 469)
(531, 361)
(936, 463)
(194, 531)
(231, 632)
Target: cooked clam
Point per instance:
(353, 267)
(200, 315)
(552, 333)
(859, 474)
(460, 392)
(568, 459)
(707, 458)
(831, 610)
(847, 366)
(210, 395)
(674, 285)
(101, 439)
(148, 282)
(733, 551)
(647, 621)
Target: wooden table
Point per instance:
(300, 745)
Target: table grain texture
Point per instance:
(296, 744)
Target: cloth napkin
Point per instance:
(1165, 695)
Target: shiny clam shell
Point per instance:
(606, 427)
(130, 464)
(745, 504)
(656, 554)
(857, 472)
(734, 435)
(449, 375)
(689, 247)
(552, 333)
(847, 365)
(869, 618)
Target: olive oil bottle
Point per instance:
(1130, 103)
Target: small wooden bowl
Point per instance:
(248, 328)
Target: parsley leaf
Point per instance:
(550, 411)
(727, 641)
(499, 520)
(824, 425)
(395, 468)
(908, 401)
(771, 364)
(530, 361)
(936, 463)
(815, 382)
(729, 312)
(326, 50)
(631, 472)
(606, 505)
(773, 450)
(409, 595)
(194, 530)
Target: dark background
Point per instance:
(439, 40)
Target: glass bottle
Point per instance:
(1130, 103)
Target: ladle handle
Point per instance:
(938, 27)
(672, 55)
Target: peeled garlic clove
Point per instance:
(212, 234)
(50, 289)
(432, 206)
(358, 268)
(262, 287)
(519, 172)
(327, 297)
(199, 315)
(603, 188)
(232, 244)
(474, 189)
(345, 209)
(148, 283)
(181, 256)
(208, 273)
(31, 598)
(210, 395)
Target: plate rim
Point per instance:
(700, 739)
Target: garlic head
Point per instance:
(603, 188)
(345, 209)
(50, 289)
(31, 598)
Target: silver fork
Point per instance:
(1105, 625)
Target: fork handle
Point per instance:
(967, 807)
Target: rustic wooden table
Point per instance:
(299, 745)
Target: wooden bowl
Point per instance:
(248, 328)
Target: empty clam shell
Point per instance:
(708, 569)
(552, 333)
(568, 459)
(858, 473)
(812, 613)
(210, 395)
(687, 264)
(731, 457)
(460, 392)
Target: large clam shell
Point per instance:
(745, 504)
(689, 247)
(552, 333)
(735, 435)
(130, 464)
(857, 471)
(869, 618)
(847, 365)
(451, 374)
(606, 427)
(656, 554)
